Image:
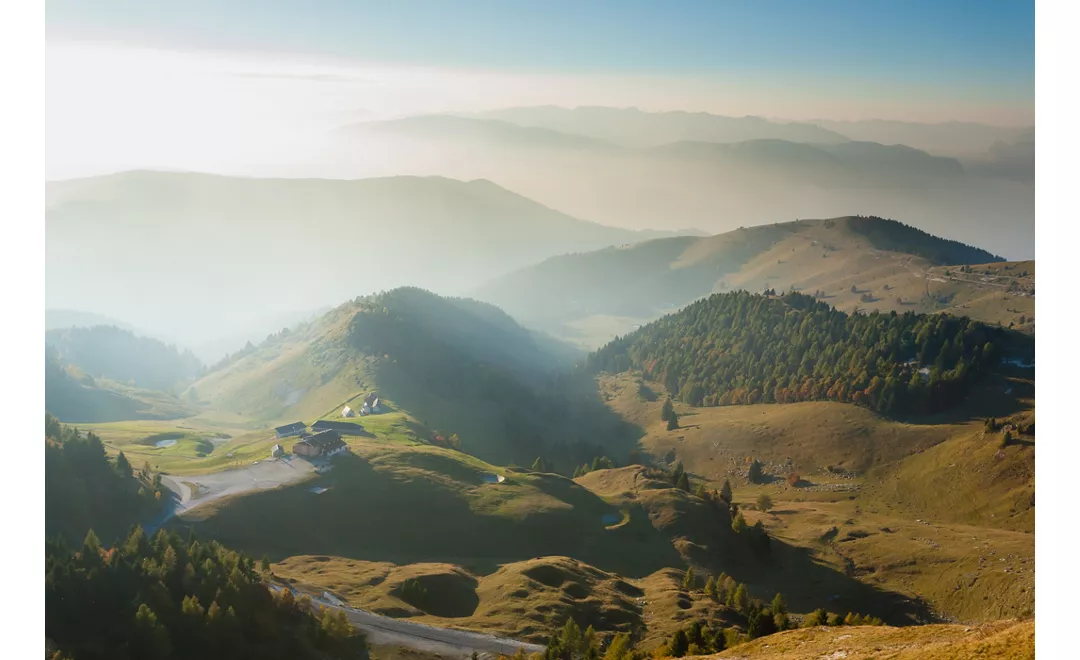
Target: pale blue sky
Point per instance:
(977, 55)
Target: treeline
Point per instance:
(85, 489)
(740, 619)
(897, 237)
(169, 598)
(119, 355)
(743, 348)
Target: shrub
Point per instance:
(764, 502)
(793, 479)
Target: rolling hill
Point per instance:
(455, 365)
(869, 263)
(185, 247)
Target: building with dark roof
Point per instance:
(345, 428)
(296, 428)
(323, 443)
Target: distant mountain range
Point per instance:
(633, 169)
(180, 251)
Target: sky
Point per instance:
(155, 82)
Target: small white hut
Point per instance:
(347, 412)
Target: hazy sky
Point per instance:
(207, 84)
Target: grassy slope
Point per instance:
(524, 600)
(408, 502)
(972, 555)
(1003, 640)
(809, 255)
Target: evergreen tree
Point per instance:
(123, 467)
(710, 588)
(741, 599)
(816, 618)
(755, 473)
(673, 421)
(679, 645)
(689, 581)
(667, 410)
(683, 483)
(702, 492)
(779, 605)
(738, 525)
(725, 491)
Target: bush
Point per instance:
(764, 502)
(793, 479)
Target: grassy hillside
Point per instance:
(527, 600)
(1003, 640)
(332, 239)
(936, 509)
(626, 524)
(75, 397)
(890, 267)
(450, 366)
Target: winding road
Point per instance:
(422, 637)
(379, 629)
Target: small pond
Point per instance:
(165, 443)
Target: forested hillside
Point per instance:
(85, 489)
(74, 396)
(120, 355)
(159, 598)
(897, 237)
(748, 348)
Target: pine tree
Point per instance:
(265, 564)
(738, 525)
(779, 605)
(755, 472)
(741, 599)
(688, 581)
(725, 491)
(702, 491)
(679, 645)
(673, 421)
(683, 483)
(816, 618)
(123, 467)
(667, 410)
(710, 588)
